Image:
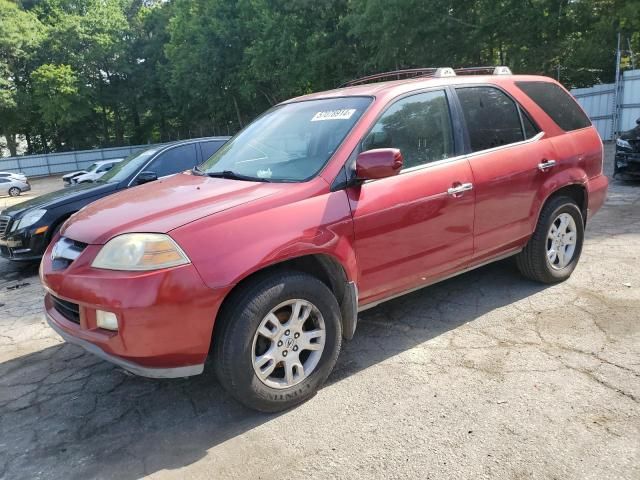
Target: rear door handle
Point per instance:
(455, 191)
(546, 165)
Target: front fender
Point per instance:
(228, 247)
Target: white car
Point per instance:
(95, 171)
(18, 176)
(13, 186)
(67, 179)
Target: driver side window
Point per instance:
(419, 125)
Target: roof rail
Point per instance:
(426, 72)
(499, 70)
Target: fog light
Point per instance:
(106, 320)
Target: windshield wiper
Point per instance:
(231, 175)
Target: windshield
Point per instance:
(124, 169)
(92, 167)
(289, 143)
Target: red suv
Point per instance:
(324, 206)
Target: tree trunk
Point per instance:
(12, 144)
(29, 143)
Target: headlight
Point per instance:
(623, 143)
(31, 217)
(140, 251)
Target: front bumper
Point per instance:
(24, 244)
(165, 317)
(626, 163)
(130, 366)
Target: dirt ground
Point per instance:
(486, 375)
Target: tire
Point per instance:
(237, 343)
(14, 191)
(535, 260)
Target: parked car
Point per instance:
(627, 158)
(67, 179)
(18, 176)
(95, 171)
(324, 206)
(14, 186)
(27, 228)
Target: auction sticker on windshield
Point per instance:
(343, 114)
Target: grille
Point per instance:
(635, 145)
(4, 223)
(69, 310)
(65, 252)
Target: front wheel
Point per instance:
(553, 250)
(14, 191)
(277, 340)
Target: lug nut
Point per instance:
(284, 354)
(280, 343)
(296, 335)
(287, 332)
(295, 348)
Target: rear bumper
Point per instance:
(597, 188)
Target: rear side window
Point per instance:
(530, 130)
(492, 118)
(209, 148)
(177, 159)
(556, 103)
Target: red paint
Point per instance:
(378, 163)
(389, 234)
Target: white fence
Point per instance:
(599, 102)
(57, 163)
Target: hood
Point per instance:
(72, 174)
(161, 206)
(61, 197)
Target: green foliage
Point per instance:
(89, 73)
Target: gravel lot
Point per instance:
(486, 375)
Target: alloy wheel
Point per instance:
(561, 241)
(288, 343)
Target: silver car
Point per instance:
(13, 186)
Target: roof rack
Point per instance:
(427, 72)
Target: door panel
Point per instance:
(409, 230)
(506, 183)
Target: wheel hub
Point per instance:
(561, 241)
(288, 343)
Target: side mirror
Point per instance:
(637, 121)
(378, 163)
(146, 177)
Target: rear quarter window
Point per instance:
(556, 103)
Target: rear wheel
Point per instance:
(14, 191)
(553, 250)
(277, 340)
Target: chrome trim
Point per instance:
(467, 156)
(502, 256)
(67, 249)
(465, 187)
(546, 165)
(176, 372)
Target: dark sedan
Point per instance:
(27, 228)
(627, 160)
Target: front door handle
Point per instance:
(546, 165)
(460, 189)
